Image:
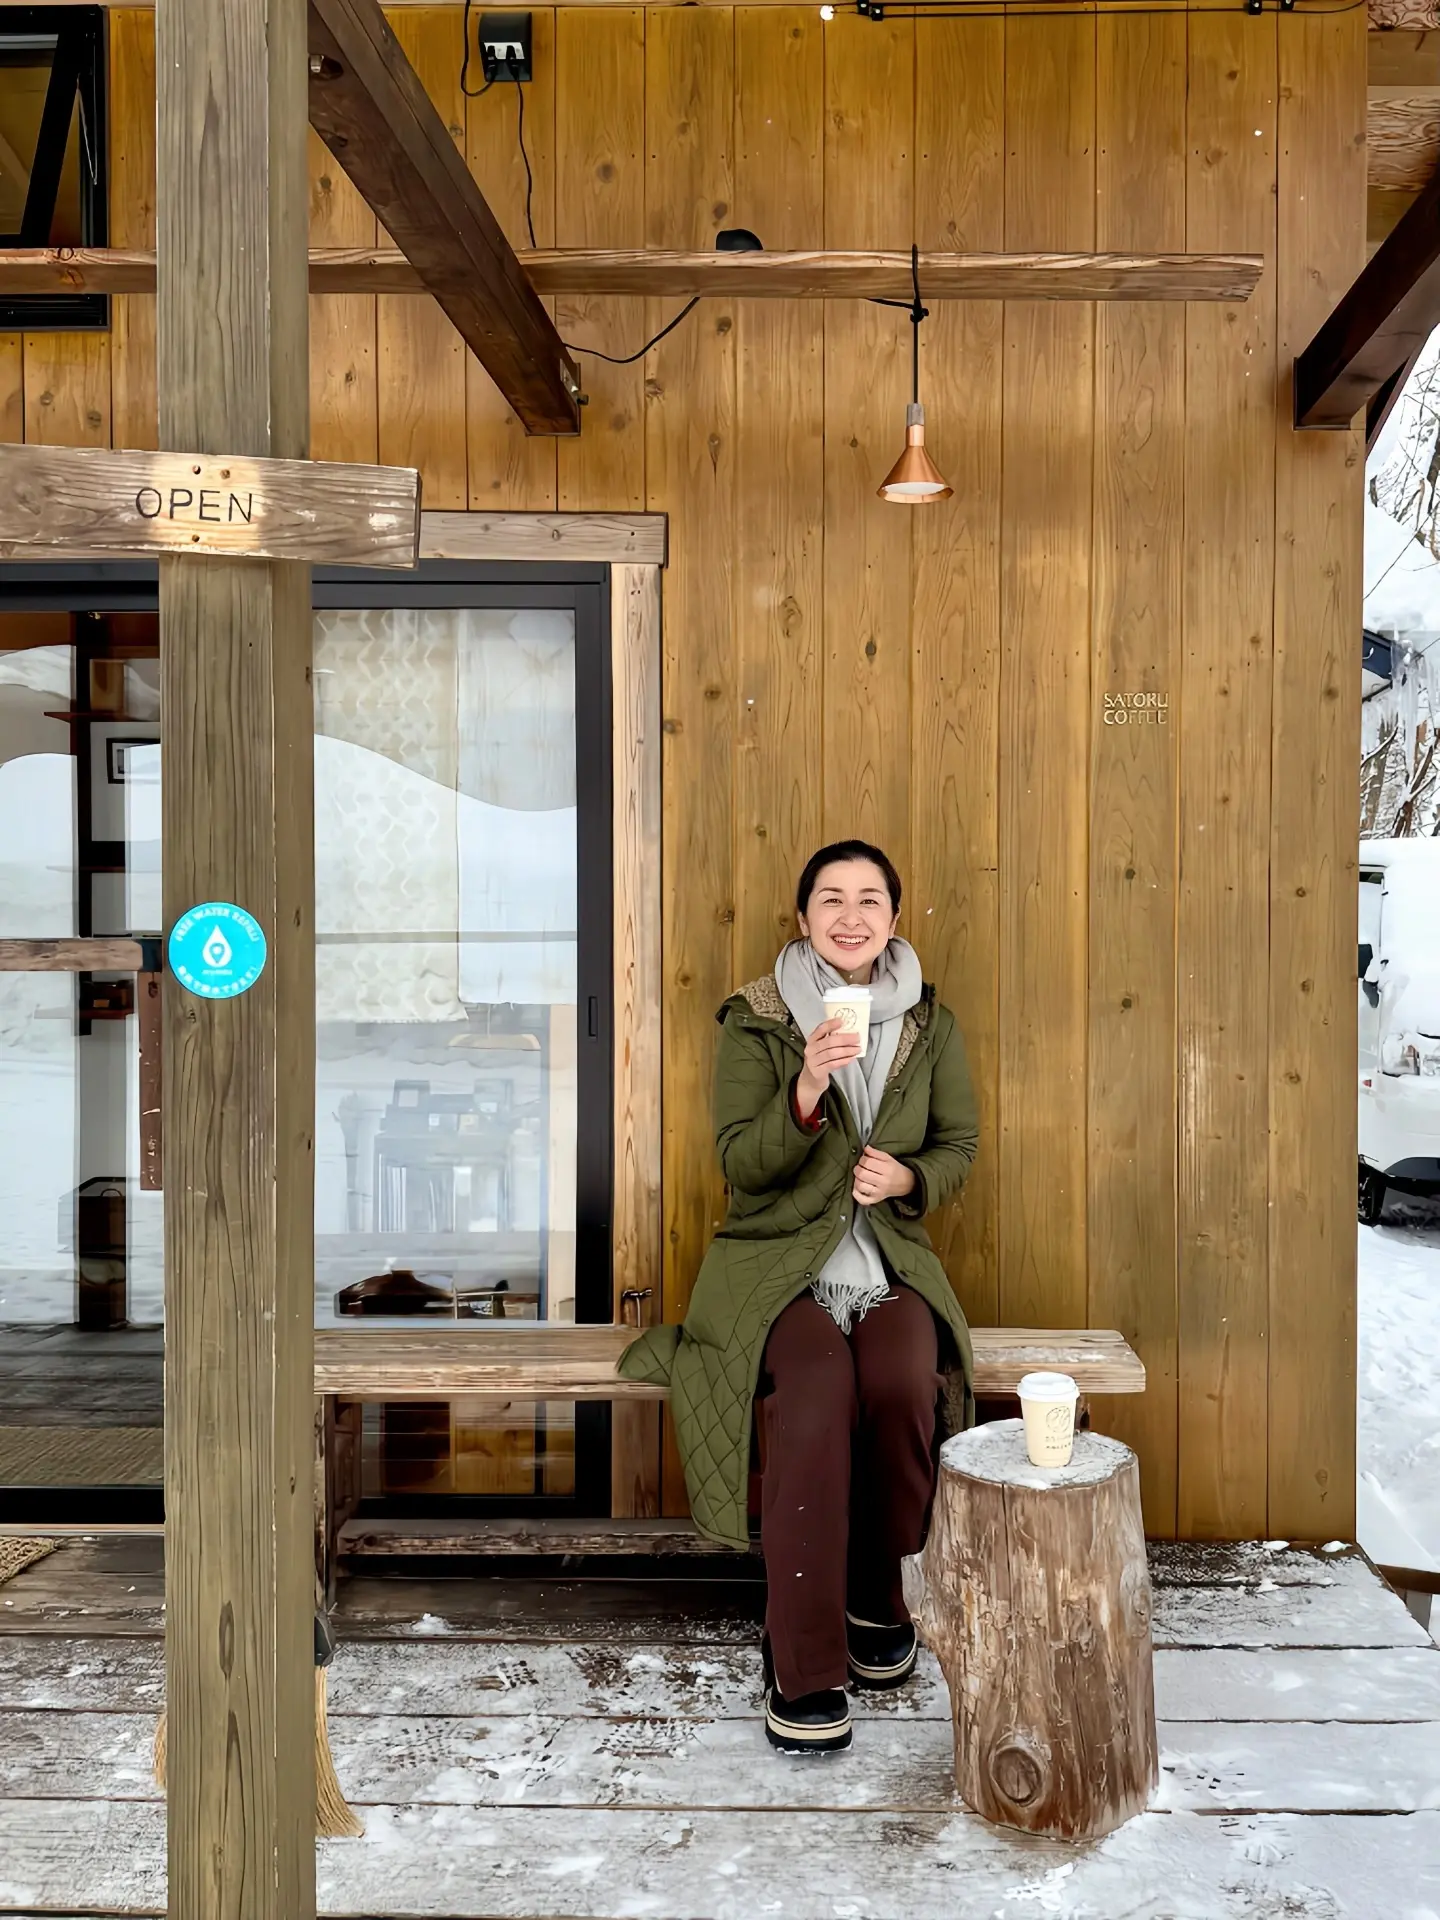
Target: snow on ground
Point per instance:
(1398, 1439)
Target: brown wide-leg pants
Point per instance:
(847, 1435)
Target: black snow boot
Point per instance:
(814, 1723)
(880, 1656)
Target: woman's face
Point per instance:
(850, 920)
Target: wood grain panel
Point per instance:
(67, 389)
(1045, 678)
(690, 473)
(344, 391)
(780, 484)
(1223, 908)
(600, 202)
(1136, 615)
(869, 201)
(12, 387)
(419, 355)
(635, 640)
(953, 915)
(1314, 825)
(507, 467)
(132, 221)
(239, 1075)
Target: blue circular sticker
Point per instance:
(217, 950)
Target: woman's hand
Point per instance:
(879, 1176)
(830, 1047)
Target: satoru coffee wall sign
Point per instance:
(88, 502)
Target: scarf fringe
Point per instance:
(847, 1301)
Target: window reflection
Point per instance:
(446, 913)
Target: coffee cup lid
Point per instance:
(847, 993)
(1048, 1386)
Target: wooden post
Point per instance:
(1034, 1594)
(232, 361)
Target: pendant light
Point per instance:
(914, 480)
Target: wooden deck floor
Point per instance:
(527, 1749)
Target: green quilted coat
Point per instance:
(789, 1202)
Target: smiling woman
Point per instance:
(837, 1135)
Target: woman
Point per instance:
(821, 1302)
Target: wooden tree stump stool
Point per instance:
(1033, 1591)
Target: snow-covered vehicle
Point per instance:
(1399, 987)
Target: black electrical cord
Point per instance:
(520, 137)
(917, 314)
(470, 93)
(628, 359)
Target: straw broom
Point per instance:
(334, 1818)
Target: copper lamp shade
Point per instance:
(914, 480)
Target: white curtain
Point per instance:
(445, 811)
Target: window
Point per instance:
(52, 150)
(463, 1016)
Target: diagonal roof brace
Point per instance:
(369, 107)
(1378, 326)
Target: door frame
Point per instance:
(634, 548)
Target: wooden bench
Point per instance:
(532, 1360)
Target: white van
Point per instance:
(1399, 986)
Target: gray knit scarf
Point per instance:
(854, 1279)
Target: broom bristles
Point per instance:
(335, 1819)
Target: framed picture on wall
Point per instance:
(124, 766)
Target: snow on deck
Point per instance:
(541, 1750)
(1398, 1401)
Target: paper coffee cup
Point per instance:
(1047, 1401)
(851, 1006)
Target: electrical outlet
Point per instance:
(505, 46)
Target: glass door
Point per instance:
(81, 1221)
(463, 989)
(463, 1150)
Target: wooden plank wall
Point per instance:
(1143, 930)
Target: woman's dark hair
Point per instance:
(847, 850)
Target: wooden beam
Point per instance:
(368, 106)
(623, 539)
(71, 956)
(1410, 60)
(235, 648)
(1385, 208)
(754, 276)
(1383, 401)
(1386, 317)
(1408, 16)
(1402, 132)
(90, 500)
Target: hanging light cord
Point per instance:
(917, 313)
